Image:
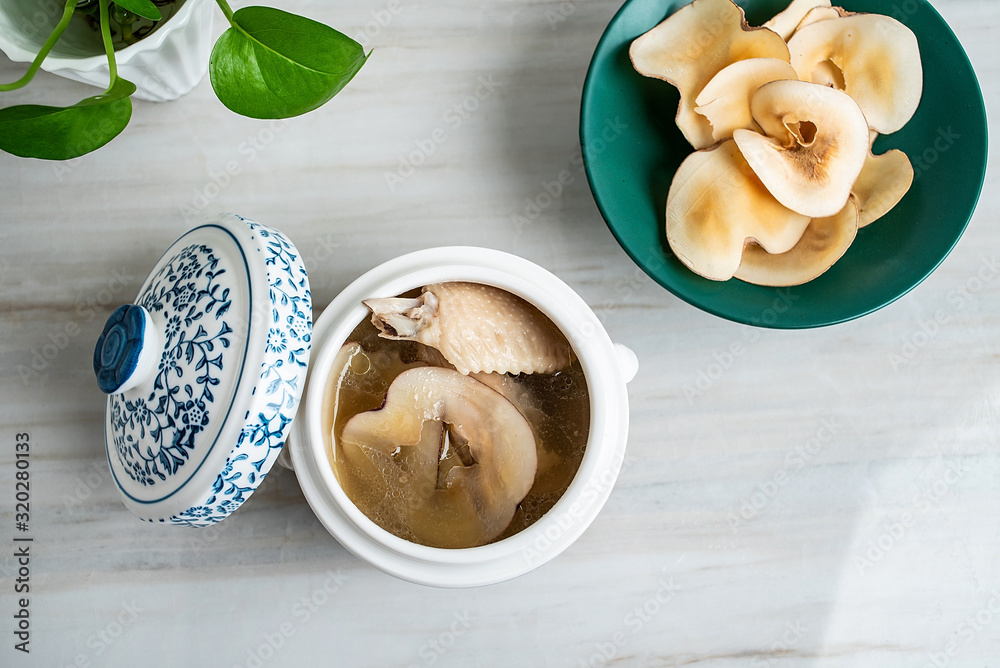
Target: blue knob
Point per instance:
(116, 355)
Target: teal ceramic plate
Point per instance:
(631, 149)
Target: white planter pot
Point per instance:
(163, 66)
(607, 367)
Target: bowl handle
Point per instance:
(285, 458)
(627, 361)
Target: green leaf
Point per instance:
(272, 64)
(143, 8)
(62, 133)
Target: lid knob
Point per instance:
(126, 351)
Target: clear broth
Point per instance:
(557, 407)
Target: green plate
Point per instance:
(631, 149)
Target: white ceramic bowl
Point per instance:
(607, 367)
(163, 66)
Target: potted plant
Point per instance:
(268, 64)
(165, 59)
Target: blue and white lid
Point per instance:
(205, 371)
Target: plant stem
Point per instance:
(49, 43)
(108, 46)
(226, 9)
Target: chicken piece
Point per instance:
(476, 327)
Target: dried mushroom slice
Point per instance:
(883, 182)
(876, 58)
(788, 20)
(817, 14)
(725, 101)
(437, 416)
(815, 145)
(717, 205)
(824, 242)
(514, 390)
(476, 327)
(692, 46)
(694, 126)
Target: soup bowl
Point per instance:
(607, 368)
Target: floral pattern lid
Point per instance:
(205, 371)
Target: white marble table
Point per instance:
(875, 536)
